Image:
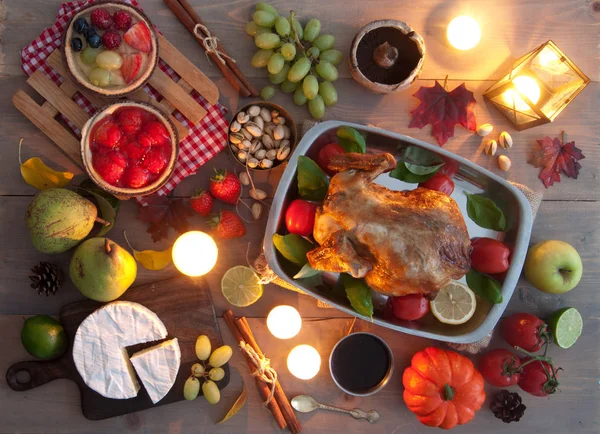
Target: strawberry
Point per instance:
(134, 152)
(225, 186)
(202, 202)
(101, 19)
(110, 166)
(139, 37)
(153, 134)
(122, 20)
(131, 120)
(228, 225)
(155, 161)
(132, 63)
(107, 134)
(135, 177)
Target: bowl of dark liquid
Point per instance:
(361, 364)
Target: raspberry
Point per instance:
(110, 166)
(131, 120)
(107, 134)
(122, 20)
(101, 19)
(135, 177)
(155, 161)
(134, 152)
(111, 39)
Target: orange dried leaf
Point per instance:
(40, 176)
(237, 406)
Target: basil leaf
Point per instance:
(485, 286)
(306, 271)
(402, 173)
(312, 181)
(351, 140)
(292, 247)
(421, 156)
(423, 170)
(359, 295)
(485, 212)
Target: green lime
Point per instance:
(566, 326)
(241, 286)
(43, 337)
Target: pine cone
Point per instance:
(46, 278)
(507, 406)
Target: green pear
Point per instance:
(101, 269)
(58, 219)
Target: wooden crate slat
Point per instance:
(48, 125)
(187, 70)
(177, 96)
(165, 106)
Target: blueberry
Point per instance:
(90, 31)
(94, 41)
(80, 25)
(76, 44)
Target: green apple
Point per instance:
(553, 266)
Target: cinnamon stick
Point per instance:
(282, 401)
(189, 24)
(263, 388)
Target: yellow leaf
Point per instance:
(237, 406)
(40, 176)
(151, 259)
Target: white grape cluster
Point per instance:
(299, 59)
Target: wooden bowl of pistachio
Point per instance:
(262, 135)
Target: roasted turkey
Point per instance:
(401, 242)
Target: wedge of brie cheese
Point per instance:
(157, 367)
(99, 348)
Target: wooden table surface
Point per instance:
(570, 212)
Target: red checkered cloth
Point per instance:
(206, 139)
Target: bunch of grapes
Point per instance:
(299, 59)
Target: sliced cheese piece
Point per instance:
(157, 367)
(99, 349)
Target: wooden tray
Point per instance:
(183, 304)
(59, 99)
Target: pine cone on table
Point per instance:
(46, 278)
(508, 406)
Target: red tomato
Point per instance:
(524, 330)
(500, 368)
(325, 155)
(489, 256)
(410, 307)
(449, 168)
(439, 182)
(300, 217)
(538, 378)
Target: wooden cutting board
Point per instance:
(185, 307)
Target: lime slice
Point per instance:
(454, 304)
(566, 326)
(241, 286)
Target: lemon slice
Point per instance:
(454, 304)
(241, 286)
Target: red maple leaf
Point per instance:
(555, 157)
(443, 110)
(163, 213)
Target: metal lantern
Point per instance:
(538, 87)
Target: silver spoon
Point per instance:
(306, 404)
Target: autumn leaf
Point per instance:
(163, 213)
(443, 110)
(40, 176)
(554, 157)
(151, 259)
(237, 406)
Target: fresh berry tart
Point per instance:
(110, 48)
(129, 149)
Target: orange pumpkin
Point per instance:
(442, 388)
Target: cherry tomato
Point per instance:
(489, 256)
(523, 330)
(449, 168)
(410, 307)
(325, 154)
(538, 378)
(439, 182)
(300, 217)
(500, 368)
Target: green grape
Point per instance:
(110, 60)
(298, 28)
(314, 52)
(216, 374)
(328, 93)
(262, 6)
(267, 92)
(324, 42)
(88, 55)
(261, 58)
(252, 29)
(191, 388)
(99, 77)
(299, 97)
(282, 25)
(310, 86)
(299, 70)
(264, 18)
(267, 41)
(327, 71)
(289, 87)
(203, 347)
(211, 392)
(288, 51)
(221, 355)
(280, 76)
(312, 29)
(333, 56)
(276, 63)
(316, 107)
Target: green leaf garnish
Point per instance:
(359, 295)
(485, 212)
(312, 181)
(292, 247)
(485, 286)
(351, 140)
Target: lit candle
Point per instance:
(304, 362)
(284, 322)
(195, 253)
(526, 86)
(463, 33)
